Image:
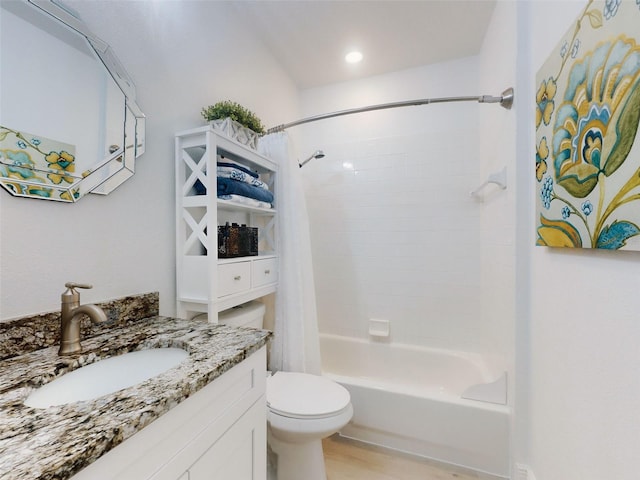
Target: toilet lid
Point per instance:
(304, 395)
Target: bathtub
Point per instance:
(411, 399)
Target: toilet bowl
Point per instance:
(302, 409)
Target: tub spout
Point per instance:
(71, 313)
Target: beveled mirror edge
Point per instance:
(125, 162)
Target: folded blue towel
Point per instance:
(236, 174)
(229, 186)
(201, 190)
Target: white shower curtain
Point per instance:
(296, 345)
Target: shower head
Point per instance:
(316, 154)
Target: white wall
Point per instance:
(124, 243)
(584, 380)
(398, 236)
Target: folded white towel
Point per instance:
(250, 202)
(221, 159)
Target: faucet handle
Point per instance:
(73, 285)
(71, 295)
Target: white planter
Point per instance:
(236, 131)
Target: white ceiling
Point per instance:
(311, 37)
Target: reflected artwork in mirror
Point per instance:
(69, 122)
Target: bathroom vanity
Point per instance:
(205, 418)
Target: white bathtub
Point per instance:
(410, 399)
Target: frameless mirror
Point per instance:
(69, 122)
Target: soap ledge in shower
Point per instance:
(379, 327)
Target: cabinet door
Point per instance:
(240, 454)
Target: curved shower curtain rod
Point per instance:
(505, 100)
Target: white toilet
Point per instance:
(302, 409)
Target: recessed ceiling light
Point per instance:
(353, 57)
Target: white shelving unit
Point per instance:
(204, 282)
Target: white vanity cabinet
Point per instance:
(206, 283)
(217, 434)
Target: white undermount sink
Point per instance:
(106, 376)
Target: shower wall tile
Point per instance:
(395, 234)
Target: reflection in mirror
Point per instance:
(69, 123)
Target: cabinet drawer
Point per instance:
(264, 272)
(233, 278)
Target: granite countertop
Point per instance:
(59, 441)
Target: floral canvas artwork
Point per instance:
(587, 114)
(37, 167)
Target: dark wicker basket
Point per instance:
(237, 241)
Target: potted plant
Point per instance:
(235, 121)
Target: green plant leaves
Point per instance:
(235, 111)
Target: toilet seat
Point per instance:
(305, 396)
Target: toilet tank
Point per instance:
(250, 314)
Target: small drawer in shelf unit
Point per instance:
(264, 272)
(233, 278)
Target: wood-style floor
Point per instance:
(350, 460)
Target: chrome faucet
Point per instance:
(71, 312)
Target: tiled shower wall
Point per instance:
(395, 233)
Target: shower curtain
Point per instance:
(296, 345)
